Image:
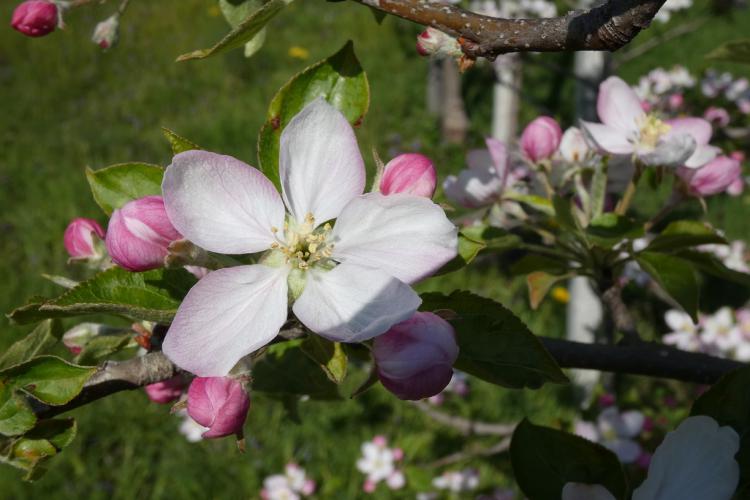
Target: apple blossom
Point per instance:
(732, 255)
(615, 430)
(573, 146)
(627, 130)
(712, 178)
(77, 337)
(415, 358)
(293, 484)
(348, 282)
(684, 334)
(718, 116)
(166, 391)
(378, 463)
(541, 138)
(35, 17)
(457, 481)
(82, 239)
(720, 329)
(139, 234)
(218, 403)
(106, 33)
(409, 173)
(485, 179)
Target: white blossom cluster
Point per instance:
(735, 90)
(733, 255)
(725, 333)
(293, 484)
(659, 85)
(618, 431)
(670, 7)
(378, 462)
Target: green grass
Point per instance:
(67, 106)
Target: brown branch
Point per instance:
(621, 316)
(609, 26)
(469, 453)
(464, 425)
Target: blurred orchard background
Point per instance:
(67, 105)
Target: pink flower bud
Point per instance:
(432, 42)
(409, 173)
(139, 234)
(415, 357)
(35, 18)
(219, 403)
(541, 138)
(380, 441)
(81, 237)
(676, 101)
(738, 155)
(713, 178)
(717, 116)
(645, 106)
(369, 486)
(106, 32)
(166, 391)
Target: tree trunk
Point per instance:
(506, 97)
(455, 124)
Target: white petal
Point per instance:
(631, 423)
(228, 314)
(408, 237)
(701, 156)
(618, 105)
(320, 165)
(581, 491)
(626, 450)
(671, 151)
(220, 203)
(607, 139)
(694, 461)
(351, 303)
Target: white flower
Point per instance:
(349, 282)
(377, 461)
(732, 255)
(457, 481)
(694, 461)
(684, 334)
(720, 329)
(484, 181)
(615, 430)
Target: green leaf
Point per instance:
(598, 189)
(329, 355)
(151, 295)
(101, 347)
(243, 33)
(609, 229)
(534, 262)
(236, 12)
(494, 344)
(536, 202)
(114, 186)
(710, 264)
(545, 459)
(50, 379)
(16, 417)
(472, 240)
(540, 283)
(685, 233)
(46, 440)
(564, 213)
(285, 369)
(728, 401)
(41, 338)
(675, 276)
(340, 80)
(178, 143)
(734, 51)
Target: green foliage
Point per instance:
(237, 11)
(16, 416)
(494, 344)
(243, 33)
(30, 452)
(40, 340)
(609, 229)
(737, 51)
(685, 233)
(178, 143)
(329, 355)
(675, 276)
(152, 295)
(339, 79)
(475, 239)
(49, 379)
(545, 459)
(114, 186)
(540, 283)
(101, 347)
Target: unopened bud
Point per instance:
(713, 178)
(219, 403)
(139, 234)
(409, 173)
(106, 32)
(541, 138)
(415, 357)
(35, 18)
(573, 146)
(83, 238)
(432, 42)
(166, 391)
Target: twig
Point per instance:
(609, 26)
(621, 316)
(462, 455)
(464, 425)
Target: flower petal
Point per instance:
(320, 165)
(408, 237)
(228, 314)
(671, 151)
(694, 461)
(702, 156)
(220, 203)
(352, 303)
(607, 139)
(699, 128)
(625, 449)
(618, 105)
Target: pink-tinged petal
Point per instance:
(541, 138)
(166, 391)
(220, 203)
(408, 237)
(352, 303)
(500, 158)
(219, 403)
(320, 165)
(79, 238)
(694, 461)
(699, 128)
(701, 156)
(715, 177)
(409, 173)
(671, 151)
(618, 105)
(581, 491)
(227, 315)
(607, 139)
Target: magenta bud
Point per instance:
(139, 234)
(166, 391)
(415, 357)
(81, 238)
(219, 403)
(35, 18)
(715, 177)
(409, 173)
(541, 138)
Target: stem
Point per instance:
(627, 197)
(674, 200)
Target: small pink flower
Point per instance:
(139, 234)
(35, 18)
(713, 178)
(369, 486)
(717, 116)
(380, 441)
(415, 357)
(80, 238)
(398, 454)
(219, 403)
(409, 173)
(676, 101)
(308, 488)
(541, 138)
(166, 391)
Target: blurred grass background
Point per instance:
(67, 105)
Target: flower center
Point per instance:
(303, 245)
(651, 130)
